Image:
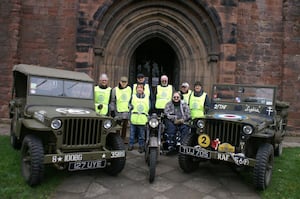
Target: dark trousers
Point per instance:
(171, 129)
(124, 128)
(139, 132)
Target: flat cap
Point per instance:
(124, 79)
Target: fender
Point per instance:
(153, 142)
(35, 125)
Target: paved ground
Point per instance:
(209, 181)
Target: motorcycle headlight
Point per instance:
(56, 124)
(200, 124)
(153, 122)
(247, 129)
(107, 124)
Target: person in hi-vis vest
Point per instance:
(140, 104)
(199, 102)
(140, 79)
(185, 92)
(119, 103)
(102, 95)
(162, 95)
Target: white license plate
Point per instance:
(197, 152)
(84, 165)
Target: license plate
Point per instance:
(84, 165)
(197, 152)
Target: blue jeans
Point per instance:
(138, 130)
(170, 134)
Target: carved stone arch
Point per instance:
(191, 28)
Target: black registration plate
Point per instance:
(84, 165)
(195, 151)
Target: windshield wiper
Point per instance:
(43, 82)
(73, 85)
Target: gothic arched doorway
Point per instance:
(180, 38)
(154, 58)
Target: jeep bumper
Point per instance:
(237, 158)
(83, 156)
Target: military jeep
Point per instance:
(53, 122)
(245, 127)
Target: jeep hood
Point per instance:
(242, 117)
(60, 111)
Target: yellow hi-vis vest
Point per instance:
(163, 96)
(122, 99)
(186, 96)
(102, 97)
(197, 105)
(146, 89)
(140, 110)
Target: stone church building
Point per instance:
(212, 41)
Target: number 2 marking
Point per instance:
(204, 140)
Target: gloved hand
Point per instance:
(178, 121)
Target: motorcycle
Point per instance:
(154, 130)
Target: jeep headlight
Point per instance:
(56, 124)
(200, 124)
(153, 122)
(247, 129)
(107, 124)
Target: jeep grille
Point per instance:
(84, 132)
(225, 131)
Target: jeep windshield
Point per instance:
(60, 88)
(254, 95)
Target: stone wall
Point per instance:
(261, 41)
(10, 18)
(291, 59)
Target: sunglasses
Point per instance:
(176, 97)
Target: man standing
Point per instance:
(199, 101)
(185, 92)
(162, 94)
(141, 80)
(120, 97)
(102, 95)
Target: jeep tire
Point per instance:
(32, 158)
(262, 171)
(115, 165)
(186, 162)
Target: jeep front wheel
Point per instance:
(115, 165)
(32, 156)
(186, 162)
(262, 172)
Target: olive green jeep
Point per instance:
(53, 121)
(245, 127)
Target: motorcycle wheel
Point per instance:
(147, 154)
(152, 163)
